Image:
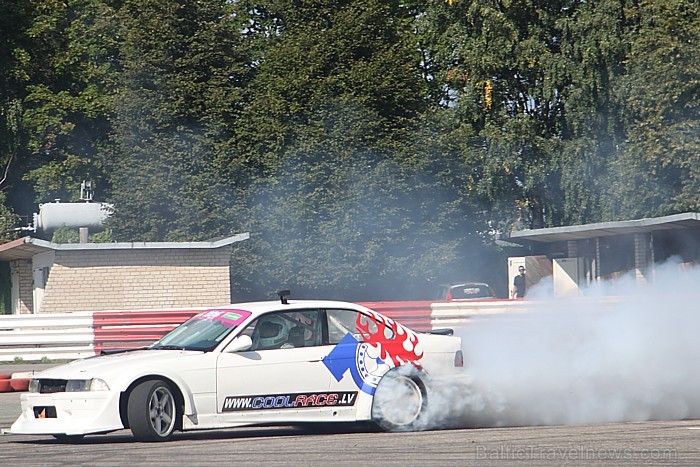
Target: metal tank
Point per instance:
(52, 216)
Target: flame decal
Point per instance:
(399, 349)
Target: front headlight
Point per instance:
(33, 385)
(79, 385)
(97, 384)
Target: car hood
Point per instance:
(105, 366)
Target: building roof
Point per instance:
(26, 247)
(604, 229)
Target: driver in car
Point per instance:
(275, 332)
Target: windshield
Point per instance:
(202, 332)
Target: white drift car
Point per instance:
(281, 362)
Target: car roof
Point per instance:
(259, 308)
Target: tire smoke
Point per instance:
(629, 353)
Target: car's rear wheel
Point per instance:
(152, 411)
(400, 401)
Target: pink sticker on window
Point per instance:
(228, 318)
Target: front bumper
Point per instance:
(68, 413)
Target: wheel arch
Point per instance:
(174, 387)
(414, 371)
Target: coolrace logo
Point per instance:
(289, 401)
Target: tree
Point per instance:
(531, 80)
(13, 56)
(335, 194)
(70, 85)
(660, 161)
(180, 86)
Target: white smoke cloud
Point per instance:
(629, 353)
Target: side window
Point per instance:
(285, 330)
(342, 322)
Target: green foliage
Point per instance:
(8, 219)
(328, 124)
(69, 93)
(178, 88)
(66, 234)
(5, 289)
(16, 16)
(533, 81)
(661, 156)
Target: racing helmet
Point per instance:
(272, 331)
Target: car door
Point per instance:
(282, 377)
(356, 361)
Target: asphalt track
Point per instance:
(640, 443)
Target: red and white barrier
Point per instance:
(5, 383)
(15, 382)
(416, 315)
(54, 336)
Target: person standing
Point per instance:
(519, 283)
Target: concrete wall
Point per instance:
(92, 280)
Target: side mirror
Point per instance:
(240, 344)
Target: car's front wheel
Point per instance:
(152, 411)
(400, 401)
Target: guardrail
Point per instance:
(456, 313)
(415, 315)
(82, 334)
(446, 314)
(55, 336)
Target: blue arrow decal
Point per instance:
(342, 359)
